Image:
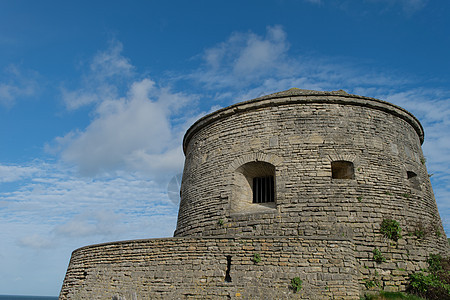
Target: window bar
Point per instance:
(263, 186)
(254, 190)
(266, 189)
(260, 194)
(258, 198)
(271, 189)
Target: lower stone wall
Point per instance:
(212, 268)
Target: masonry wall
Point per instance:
(193, 268)
(301, 137)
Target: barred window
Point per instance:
(263, 191)
(254, 188)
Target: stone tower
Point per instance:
(292, 184)
(337, 165)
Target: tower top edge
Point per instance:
(303, 96)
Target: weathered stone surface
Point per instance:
(173, 268)
(319, 228)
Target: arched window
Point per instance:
(254, 186)
(342, 169)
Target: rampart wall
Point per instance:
(194, 268)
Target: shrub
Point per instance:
(435, 282)
(382, 295)
(391, 229)
(434, 263)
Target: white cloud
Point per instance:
(110, 63)
(409, 7)
(128, 133)
(243, 58)
(137, 125)
(56, 204)
(76, 99)
(314, 1)
(35, 241)
(11, 173)
(16, 84)
(103, 79)
(90, 223)
(248, 65)
(261, 54)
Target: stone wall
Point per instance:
(194, 268)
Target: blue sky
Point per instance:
(95, 97)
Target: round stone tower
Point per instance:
(308, 163)
(323, 188)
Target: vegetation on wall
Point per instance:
(391, 295)
(434, 282)
(391, 229)
(378, 256)
(256, 258)
(296, 284)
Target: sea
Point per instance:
(15, 297)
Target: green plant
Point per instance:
(419, 232)
(370, 284)
(378, 256)
(434, 262)
(382, 295)
(434, 282)
(391, 229)
(423, 160)
(437, 231)
(256, 258)
(424, 284)
(388, 193)
(296, 284)
(359, 198)
(406, 195)
(220, 222)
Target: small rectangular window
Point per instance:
(342, 170)
(263, 189)
(413, 179)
